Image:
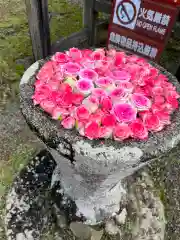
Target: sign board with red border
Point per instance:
(141, 26)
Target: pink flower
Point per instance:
(86, 53)
(106, 104)
(128, 86)
(153, 123)
(92, 130)
(38, 97)
(108, 120)
(120, 75)
(121, 132)
(47, 106)
(140, 101)
(120, 58)
(84, 86)
(92, 103)
(124, 112)
(38, 84)
(46, 72)
(54, 83)
(97, 116)
(77, 98)
(138, 130)
(111, 53)
(105, 132)
(98, 54)
(82, 113)
(157, 91)
(59, 113)
(159, 100)
(68, 123)
(75, 54)
(80, 126)
(117, 95)
(104, 82)
(173, 102)
(65, 99)
(60, 58)
(72, 68)
(88, 74)
(98, 92)
(65, 88)
(163, 117)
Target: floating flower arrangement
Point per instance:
(105, 94)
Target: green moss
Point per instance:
(8, 170)
(15, 40)
(67, 21)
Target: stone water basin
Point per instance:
(105, 183)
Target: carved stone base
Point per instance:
(34, 206)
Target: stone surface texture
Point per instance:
(32, 212)
(91, 172)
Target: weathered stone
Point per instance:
(95, 188)
(96, 235)
(121, 218)
(111, 228)
(81, 231)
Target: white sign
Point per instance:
(126, 13)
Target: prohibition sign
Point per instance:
(126, 12)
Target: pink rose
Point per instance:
(54, 83)
(38, 97)
(47, 106)
(64, 87)
(75, 54)
(82, 113)
(68, 123)
(84, 86)
(121, 132)
(173, 102)
(157, 91)
(80, 126)
(108, 120)
(98, 54)
(138, 130)
(60, 58)
(111, 53)
(104, 82)
(118, 94)
(77, 98)
(88, 74)
(159, 99)
(59, 113)
(127, 86)
(97, 116)
(106, 104)
(105, 132)
(46, 71)
(163, 117)
(98, 92)
(140, 101)
(153, 123)
(120, 59)
(120, 75)
(92, 103)
(124, 112)
(71, 69)
(64, 100)
(86, 53)
(92, 130)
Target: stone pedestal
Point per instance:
(104, 184)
